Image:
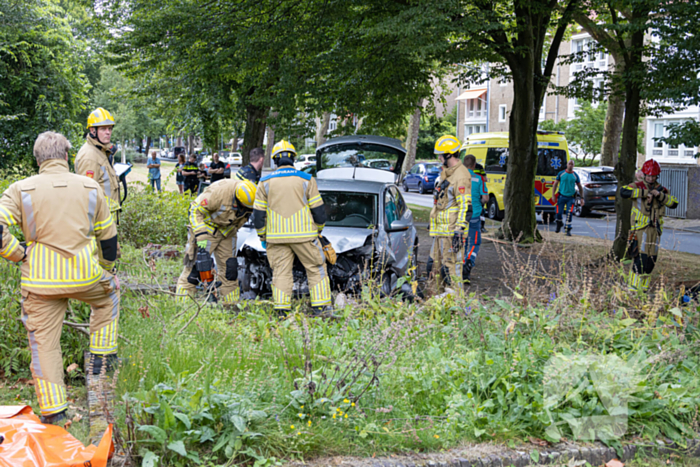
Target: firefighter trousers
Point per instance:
(310, 254)
(223, 247)
(644, 249)
(447, 261)
(43, 315)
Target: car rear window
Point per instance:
(346, 209)
(433, 169)
(357, 155)
(603, 177)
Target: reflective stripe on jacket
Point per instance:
(288, 207)
(449, 213)
(62, 216)
(93, 161)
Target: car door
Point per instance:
(399, 242)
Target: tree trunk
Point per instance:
(625, 167)
(190, 143)
(613, 118)
(520, 222)
(149, 141)
(412, 138)
(123, 148)
(179, 140)
(270, 143)
(254, 135)
(322, 128)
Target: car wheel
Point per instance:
(493, 212)
(421, 188)
(578, 209)
(405, 186)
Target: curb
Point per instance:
(595, 456)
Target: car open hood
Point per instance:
(342, 238)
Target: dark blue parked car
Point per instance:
(422, 177)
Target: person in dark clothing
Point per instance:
(216, 168)
(253, 170)
(191, 171)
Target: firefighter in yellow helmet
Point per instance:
(65, 219)
(289, 216)
(215, 217)
(449, 217)
(96, 157)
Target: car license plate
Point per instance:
(611, 198)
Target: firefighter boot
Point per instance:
(58, 419)
(111, 362)
(560, 224)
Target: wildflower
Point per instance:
(333, 416)
(309, 422)
(298, 433)
(352, 405)
(436, 436)
(291, 426)
(345, 401)
(467, 310)
(301, 415)
(302, 406)
(346, 415)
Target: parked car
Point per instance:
(371, 230)
(422, 177)
(599, 188)
(304, 160)
(382, 164)
(235, 158)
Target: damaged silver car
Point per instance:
(369, 224)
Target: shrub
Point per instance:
(149, 217)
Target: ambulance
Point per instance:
(491, 151)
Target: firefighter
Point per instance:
(252, 171)
(214, 219)
(649, 201)
(65, 219)
(96, 157)
(449, 216)
(289, 216)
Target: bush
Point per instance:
(149, 217)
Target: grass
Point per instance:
(420, 213)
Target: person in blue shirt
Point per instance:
(480, 196)
(567, 181)
(153, 165)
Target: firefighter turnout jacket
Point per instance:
(647, 213)
(288, 207)
(95, 161)
(65, 220)
(451, 202)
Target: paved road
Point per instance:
(599, 225)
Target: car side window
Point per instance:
(390, 208)
(415, 169)
(400, 203)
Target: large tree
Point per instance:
(657, 42)
(42, 85)
(520, 39)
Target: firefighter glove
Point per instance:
(457, 241)
(328, 250)
(202, 244)
(263, 243)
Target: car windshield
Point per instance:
(359, 155)
(603, 177)
(347, 209)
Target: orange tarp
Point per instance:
(28, 442)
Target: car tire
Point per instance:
(421, 188)
(493, 212)
(405, 186)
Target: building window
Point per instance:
(658, 133)
(502, 112)
(471, 129)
